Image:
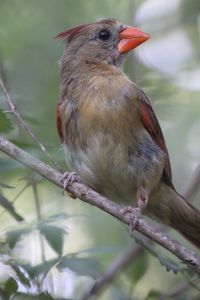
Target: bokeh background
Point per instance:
(64, 244)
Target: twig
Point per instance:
(113, 270)
(15, 198)
(39, 217)
(3, 73)
(194, 184)
(9, 208)
(24, 125)
(89, 196)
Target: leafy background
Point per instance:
(62, 244)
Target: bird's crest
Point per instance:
(71, 33)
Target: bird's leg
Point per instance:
(142, 200)
(70, 178)
(142, 197)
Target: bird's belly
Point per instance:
(115, 169)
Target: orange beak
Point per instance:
(130, 38)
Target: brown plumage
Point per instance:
(111, 135)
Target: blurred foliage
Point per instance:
(48, 254)
(5, 123)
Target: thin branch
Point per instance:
(15, 198)
(9, 208)
(89, 196)
(24, 125)
(194, 184)
(38, 211)
(122, 261)
(3, 73)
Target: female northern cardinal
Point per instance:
(111, 135)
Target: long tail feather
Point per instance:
(172, 209)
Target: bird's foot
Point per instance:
(68, 179)
(136, 212)
(135, 215)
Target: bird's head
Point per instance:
(104, 41)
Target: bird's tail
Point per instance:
(172, 209)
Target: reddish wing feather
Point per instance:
(58, 124)
(151, 124)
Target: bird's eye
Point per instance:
(104, 35)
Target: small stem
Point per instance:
(25, 126)
(122, 261)
(39, 217)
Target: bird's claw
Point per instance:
(135, 215)
(69, 178)
(134, 219)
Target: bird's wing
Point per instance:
(151, 124)
(58, 123)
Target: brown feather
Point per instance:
(172, 209)
(71, 33)
(152, 125)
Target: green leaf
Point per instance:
(138, 268)
(153, 295)
(164, 261)
(5, 123)
(32, 120)
(119, 293)
(13, 236)
(102, 250)
(54, 236)
(10, 287)
(191, 276)
(6, 186)
(23, 144)
(8, 165)
(21, 296)
(168, 264)
(81, 266)
(20, 274)
(42, 268)
(9, 207)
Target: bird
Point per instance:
(112, 138)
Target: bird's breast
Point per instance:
(113, 161)
(104, 165)
(105, 142)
